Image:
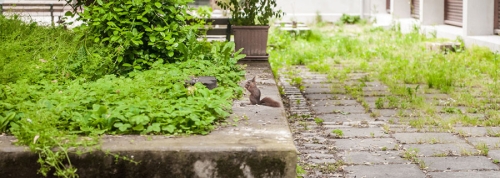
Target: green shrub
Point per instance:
(137, 33)
(350, 19)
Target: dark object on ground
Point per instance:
(208, 81)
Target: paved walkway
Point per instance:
(370, 142)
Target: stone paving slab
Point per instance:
(385, 171)
(374, 84)
(459, 163)
(357, 109)
(375, 88)
(449, 116)
(374, 157)
(448, 149)
(361, 132)
(314, 146)
(491, 142)
(316, 80)
(318, 85)
(323, 161)
(436, 96)
(375, 93)
(313, 96)
(477, 131)
(427, 138)
(334, 103)
(358, 144)
(386, 112)
(317, 90)
(341, 118)
(494, 154)
(470, 174)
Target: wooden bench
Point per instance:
(218, 27)
(28, 7)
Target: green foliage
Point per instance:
(33, 52)
(5, 120)
(318, 121)
(251, 12)
(141, 103)
(350, 19)
(155, 101)
(379, 103)
(62, 92)
(338, 132)
(137, 33)
(300, 171)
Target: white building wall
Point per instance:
(478, 17)
(330, 10)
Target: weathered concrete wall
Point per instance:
(157, 164)
(330, 10)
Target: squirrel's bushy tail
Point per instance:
(269, 102)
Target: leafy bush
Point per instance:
(350, 19)
(137, 33)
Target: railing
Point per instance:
(32, 7)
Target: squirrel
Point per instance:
(251, 86)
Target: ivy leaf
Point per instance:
(111, 24)
(169, 128)
(68, 13)
(122, 127)
(138, 128)
(154, 127)
(157, 4)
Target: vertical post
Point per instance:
(228, 30)
(1, 9)
(401, 9)
(478, 17)
(52, 13)
(432, 12)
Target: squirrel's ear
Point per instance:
(253, 80)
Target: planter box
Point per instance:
(253, 40)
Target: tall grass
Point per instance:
(32, 52)
(398, 60)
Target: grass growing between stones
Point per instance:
(415, 76)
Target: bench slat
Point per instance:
(32, 10)
(218, 31)
(219, 21)
(30, 4)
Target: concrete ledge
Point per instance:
(261, 146)
(442, 46)
(452, 33)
